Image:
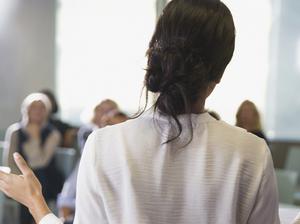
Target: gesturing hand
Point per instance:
(25, 189)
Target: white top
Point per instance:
(127, 175)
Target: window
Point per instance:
(101, 52)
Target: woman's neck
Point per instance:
(199, 106)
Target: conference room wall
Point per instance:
(27, 52)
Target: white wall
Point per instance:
(27, 52)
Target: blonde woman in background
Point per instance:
(248, 117)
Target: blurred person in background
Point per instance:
(102, 113)
(105, 113)
(67, 131)
(248, 117)
(117, 118)
(36, 140)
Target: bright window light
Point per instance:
(101, 52)
(246, 76)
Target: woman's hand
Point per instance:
(25, 189)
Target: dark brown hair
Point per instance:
(192, 44)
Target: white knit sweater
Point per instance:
(127, 175)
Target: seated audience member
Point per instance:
(248, 117)
(67, 131)
(36, 140)
(105, 113)
(101, 115)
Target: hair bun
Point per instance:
(154, 71)
(164, 59)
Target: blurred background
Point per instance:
(86, 51)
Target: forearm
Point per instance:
(42, 214)
(39, 208)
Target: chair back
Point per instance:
(65, 160)
(287, 183)
(293, 160)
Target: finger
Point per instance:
(22, 165)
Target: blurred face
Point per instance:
(37, 112)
